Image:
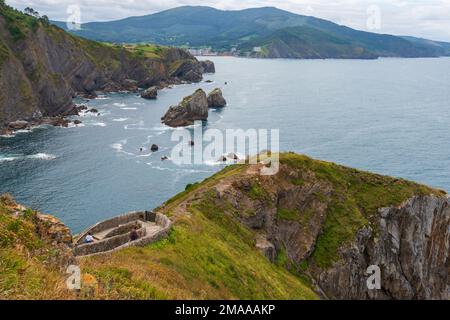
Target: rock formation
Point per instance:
(151, 93)
(191, 109)
(216, 99)
(154, 148)
(411, 245)
(208, 66)
(331, 223)
(58, 66)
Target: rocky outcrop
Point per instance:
(330, 224)
(187, 70)
(57, 66)
(191, 109)
(216, 99)
(411, 246)
(151, 93)
(18, 125)
(208, 66)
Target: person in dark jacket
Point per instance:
(134, 235)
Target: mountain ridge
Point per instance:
(202, 26)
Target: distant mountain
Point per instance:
(275, 34)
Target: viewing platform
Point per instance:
(115, 233)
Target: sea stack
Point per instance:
(151, 93)
(216, 99)
(191, 109)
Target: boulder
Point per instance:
(151, 93)
(191, 109)
(216, 99)
(208, 66)
(187, 70)
(77, 122)
(93, 110)
(18, 125)
(154, 148)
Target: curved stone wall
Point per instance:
(120, 238)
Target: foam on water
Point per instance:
(120, 119)
(37, 156)
(98, 124)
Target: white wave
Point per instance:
(37, 156)
(23, 131)
(42, 156)
(120, 119)
(117, 104)
(129, 108)
(7, 159)
(183, 170)
(99, 124)
(102, 97)
(73, 125)
(7, 136)
(119, 147)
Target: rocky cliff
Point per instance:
(329, 224)
(42, 67)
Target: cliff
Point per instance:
(328, 224)
(310, 231)
(42, 67)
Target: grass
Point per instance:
(147, 50)
(17, 23)
(357, 196)
(208, 255)
(25, 272)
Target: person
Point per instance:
(89, 238)
(134, 235)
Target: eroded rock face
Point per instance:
(151, 93)
(49, 76)
(208, 66)
(412, 249)
(192, 108)
(409, 243)
(18, 125)
(216, 99)
(188, 70)
(53, 229)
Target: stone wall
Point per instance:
(107, 244)
(112, 223)
(121, 241)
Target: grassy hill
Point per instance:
(311, 211)
(199, 26)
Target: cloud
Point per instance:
(423, 18)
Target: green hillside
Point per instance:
(199, 26)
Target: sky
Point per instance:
(423, 18)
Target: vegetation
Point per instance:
(268, 28)
(25, 268)
(207, 256)
(357, 196)
(209, 253)
(20, 24)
